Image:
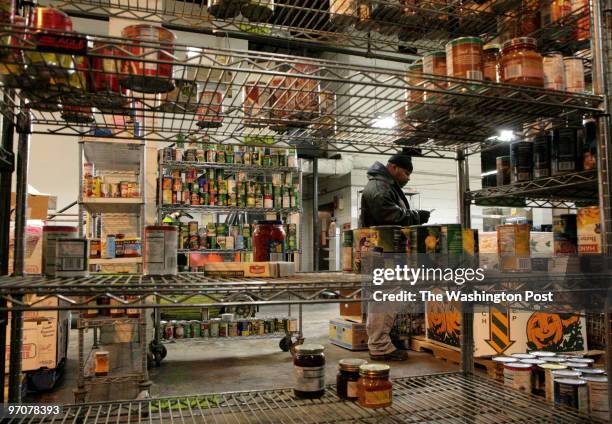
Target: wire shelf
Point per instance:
(305, 103)
(556, 190)
(421, 399)
(393, 26)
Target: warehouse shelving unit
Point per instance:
(468, 114)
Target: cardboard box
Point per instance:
(250, 269)
(347, 334)
(45, 336)
(38, 204)
(33, 247)
(588, 224)
(510, 332)
(352, 309)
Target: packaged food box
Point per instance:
(588, 224)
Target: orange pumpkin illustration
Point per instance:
(436, 317)
(453, 319)
(544, 329)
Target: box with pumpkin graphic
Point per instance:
(499, 330)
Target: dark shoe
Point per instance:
(396, 355)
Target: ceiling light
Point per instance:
(385, 122)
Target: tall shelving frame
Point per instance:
(354, 135)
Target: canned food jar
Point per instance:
(110, 96)
(541, 156)
(464, 58)
(348, 377)
(374, 388)
(343, 13)
(504, 170)
(414, 78)
(268, 240)
(47, 65)
(574, 74)
(309, 371)
(214, 327)
(491, 54)
(154, 75)
(521, 157)
(521, 63)
(554, 71)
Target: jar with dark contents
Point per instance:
(347, 378)
(490, 62)
(309, 371)
(268, 241)
(374, 387)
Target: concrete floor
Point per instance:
(198, 367)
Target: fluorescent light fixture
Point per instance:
(385, 122)
(506, 135)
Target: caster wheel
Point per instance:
(157, 353)
(285, 344)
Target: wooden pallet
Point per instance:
(448, 354)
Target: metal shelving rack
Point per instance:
(557, 192)
(444, 132)
(111, 157)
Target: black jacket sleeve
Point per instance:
(390, 213)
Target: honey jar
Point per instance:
(374, 389)
(102, 364)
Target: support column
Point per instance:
(315, 214)
(467, 311)
(24, 128)
(601, 46)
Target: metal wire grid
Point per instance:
(225, 209)
(425, 26)
(577, 186)
(441, 398)
(309, 102)
(393, 24)
(226, 166)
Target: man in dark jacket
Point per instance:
(384, 203)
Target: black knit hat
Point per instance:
(402, 160)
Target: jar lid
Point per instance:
(440, 53)
(532, 361)
(416, 66)
(517, 365)
(595, 378)
(523, 355)
(572, 58)
(520, 40)
(570, 381)
(491, 46)
(504, 359)
(593, 371)
(374, 370)
(566, 373)
(384, 227)
(554, 359)
(268, 222)
(541, 353)
(351, 364)
(465, 40)
(576, 364)
(583, 360)
(502, 158)
(551, 366)
(309, 349)
(553, 53)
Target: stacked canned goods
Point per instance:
(218, 327)
(217, 187)
(268, 157)
(107, 187)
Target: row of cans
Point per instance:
(233, 154)
(211, 176)
(253, 197)
(216, 327)
(96, 187)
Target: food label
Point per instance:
(381, 397)
(351, 389)
(522, 68)
(309, 379)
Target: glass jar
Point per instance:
(490, 62)
(414, 78)
(347, 378)
(374, 388)
(309, 371)
(268, 241)
(521, 63)
(464, 58)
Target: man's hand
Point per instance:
(424, 216)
